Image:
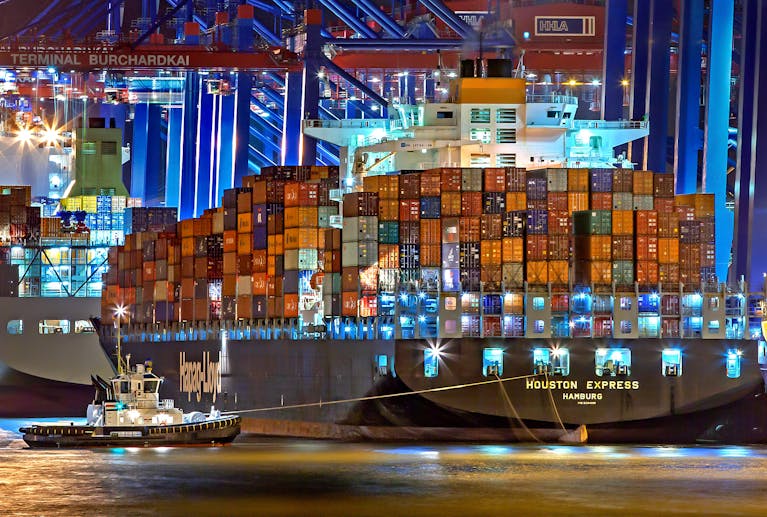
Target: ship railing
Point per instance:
(551, 98)
(368, 123)
(609, 124)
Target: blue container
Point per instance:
(538, 222)
(430, 207)
(601, 180)
(259, 215)
(409, 256)
(163, 311)
(493, 202)
(537, 188)
(451, 256)
(259, 238)
(491, 304)
(290, 281)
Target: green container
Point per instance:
(592, 222)
(388, 232)
(623, 272)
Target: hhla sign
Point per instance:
(564, 25)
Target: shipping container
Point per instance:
(643, 183)
(594, 222)
(450, 204)
(471, 204)
(516, 180)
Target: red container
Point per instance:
(668, 224)
(451, 179)
(516, 179)
(430, 183)
(409, 210)
(668, 275)
(646, 248)
(557, 201)
(468, 229)
(623, 180)
(647, 272)
(601, 201)
(491, 326)
(491, 226)
(663, 185)
(495, 179)
(664, 204)
(410, 186)
(536, 247)
(559, 247)
(471, 203)
(646, 222)
(623, 247)
(360, 204)
(537, 204)
(409, 233)
(559, 223)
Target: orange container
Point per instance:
(558, 272)
(578, 180)
(259, 261)
(187, 228)
(431, 231)
(300, 238)
(643, 183)
(372, 183)
(559, 223)
(230, 242)
(245, 223)
(471, 203)
(513, 249)
(388, 187)
(203, 226)
(431, 183)
(536, 247)
(516, 201)
(244, 202)
(275, 244)
(388, 210)
(668, 250)
(601, 272)
(577, 201)
(349, 303)
(229, 285)
(388, 256)
(703, 204)
(290, 307)
(187, 247)
(623, 222)
(537, 272)
(244, 244)
(491, 252)
(430, 255)
(451, 204)
(259, 192)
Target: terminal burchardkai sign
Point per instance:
(118, 58)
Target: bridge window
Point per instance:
(15, 327)
(480, 115)
(506, 116)
(430, 363)
(479, 160)
(492, 362)
(672, 362)
(506, 160)
(444, 114)
(54, 327)
(84, 327)
(539, 326)
(613, 362)
(553, 114)
(538, 303)
(713, 326)
(506, 136)
(480, 134)
(733, 363)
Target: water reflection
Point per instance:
(325, 478)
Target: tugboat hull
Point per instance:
(212, 432)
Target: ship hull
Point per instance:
(48, 374)
(331, 389)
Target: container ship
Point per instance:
(569, 300)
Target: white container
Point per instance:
(362, 228)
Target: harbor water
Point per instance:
(277, 477)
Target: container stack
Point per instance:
(104, 216)
(359, 254)
(14, 212)
(697, 249)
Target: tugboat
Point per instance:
(127, 412)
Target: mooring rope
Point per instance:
(377, 397)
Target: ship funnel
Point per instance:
(467, 68)
(499, 68)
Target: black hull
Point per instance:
(262, 379)
(217, 432)
(23, 396)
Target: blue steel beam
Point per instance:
(164, 18)
(348, 18)
(614, 60)
(717, 126)
(750, 256)
(661, 13)
(689, 137)
(53, 6)
(381, 18)
(449, 17)
(63, 22)
(639, 74)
